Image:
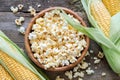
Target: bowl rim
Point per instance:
(27, 43)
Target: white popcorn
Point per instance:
(20, 6)
(69, 74)
(80, 79)
(39, 5)
(100, 55)
(58, 78)
(32, 10)
(95, 58)
(91, 51)
(97, 61)
(14, 9)
(22, 19)
(84, 65)
(21, 30)
(75, 68)
(78, 74)
(32, 36)
(64, 47)
(65, 62)
(103, 74)
(89, 71)
(36, 55)
(19, 21)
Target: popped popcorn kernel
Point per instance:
(89, 71)
(100, 55)
(19, 21)
(103, 74)
(20, 6)
(14, 9)
(32, 11)
(58, 78)
(69, 74)
(21, 30)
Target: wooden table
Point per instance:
(8, 26)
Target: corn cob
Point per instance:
(113, 6)
(101, 15)
(4, 75)
(18, 70)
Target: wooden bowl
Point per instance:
(27, 43)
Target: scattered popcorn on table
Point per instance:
(20, 6)
(22, 19)
(69, 74)
(80, 79)
(14, 9)
(19, 21)
(91, 51)
(58, 78)
(87, 54)
(103, 74)
(100, 55)
(32, 11)
(89, 71)
(39, 5)
(84, 65)
(49, 39)
(21, 30)
(97, 61)
(78, 74)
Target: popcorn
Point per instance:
(97, 61)
(39, 5)
(32, 36)
(32, 10)
(89, 71)
(21, 30)
(78, 74)
(20, 6)
(19, 21)
(14, 9)
(80, 79)
(51, 40)
(91, 51)
(69, 74)
(22, 19)
(58, 78)
(100, 55)
(84, 65)
(103, 74)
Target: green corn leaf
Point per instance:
(113, 58)
(115, 29)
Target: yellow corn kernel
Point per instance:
(101, 15)
(19, 71)
(4, 75)
(113, 6)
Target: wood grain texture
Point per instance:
(8, 26)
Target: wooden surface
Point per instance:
(8, 26)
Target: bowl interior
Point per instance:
(27, 43)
